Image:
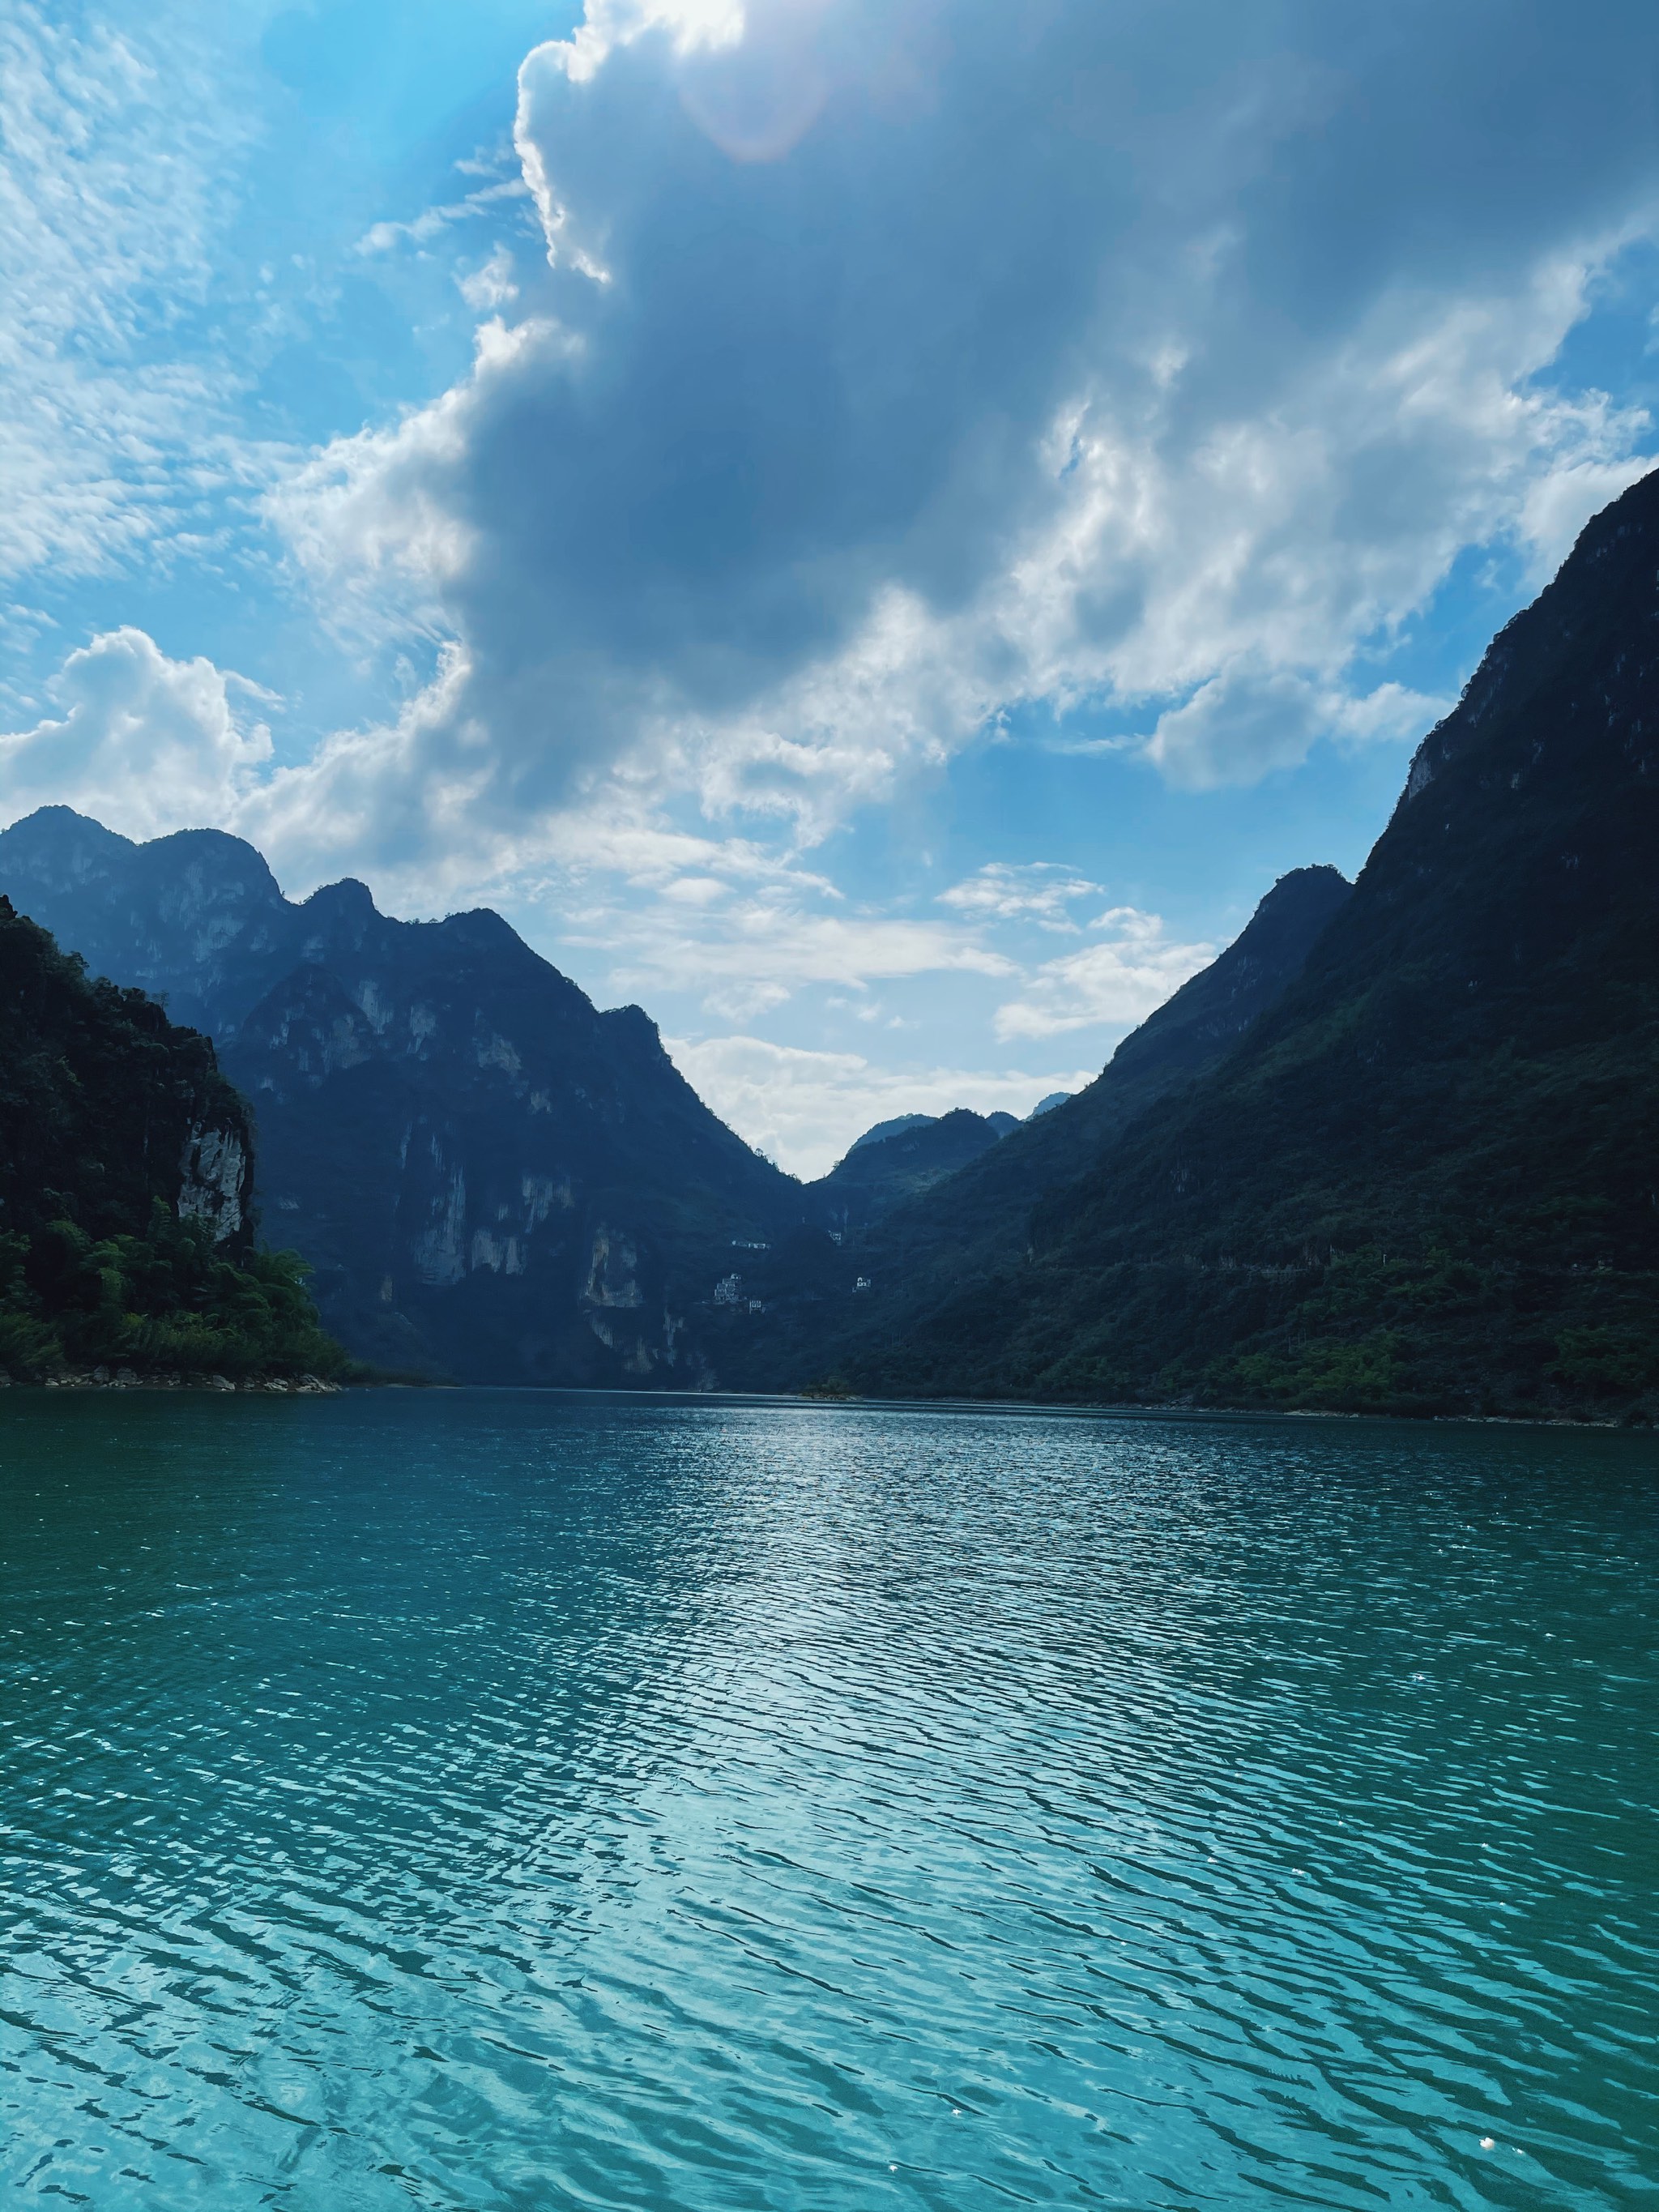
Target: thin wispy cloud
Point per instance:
(1039, 891)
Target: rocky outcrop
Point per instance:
(106, 1108)
(216, 1177)
(120, 1144)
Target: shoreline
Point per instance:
(127, 1381)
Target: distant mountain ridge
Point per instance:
(882, 1130)
(915, 1247)
(901, 1159)
(492, 1179)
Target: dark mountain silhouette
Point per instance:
(982, 1217)
(491, 1179)
(915, 1249)
(125, 1173)
(895, 1127)
(1428, 1177)
(900, 1159)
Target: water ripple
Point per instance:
(503, 1803)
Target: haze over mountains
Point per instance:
(975, 1224)
(901, 1159)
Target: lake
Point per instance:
(517, 1801)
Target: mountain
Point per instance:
(912, 1250)
(491, 1179)
(1048, 1105)
(999, 1124)
(895, 1127)
(125, 1172)
(902, 1158)
(1427, 1178)
(982, 1219)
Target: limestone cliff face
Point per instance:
(491, 1178)
(215, 1176)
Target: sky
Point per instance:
(874, 529)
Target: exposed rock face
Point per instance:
(125, 1244)
(491, 1178)
(215, 1174)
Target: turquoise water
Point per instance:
(477, 1801)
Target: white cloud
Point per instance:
(608, 24)
(144, 744)
(1039, 891)
(749, 953)
(490, 287)
(805, 1109)
(1113, 985)
(1248, 720)
(1188, 390)
(432, 223)
(1071, 357)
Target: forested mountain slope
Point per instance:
(124, 1176)
(492, 1179)
(915, 1251)
(892, 1164)
(1428, 1178)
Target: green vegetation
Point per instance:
(123, 1178)
(1427, 1179)
(165, 1302)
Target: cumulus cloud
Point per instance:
(896, 364)
(490, 286)
(1249, 718)
(805, 1108)
(1113, 984)
(145, 744)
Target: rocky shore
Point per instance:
(126, 1378)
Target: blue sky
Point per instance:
(876, 530)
